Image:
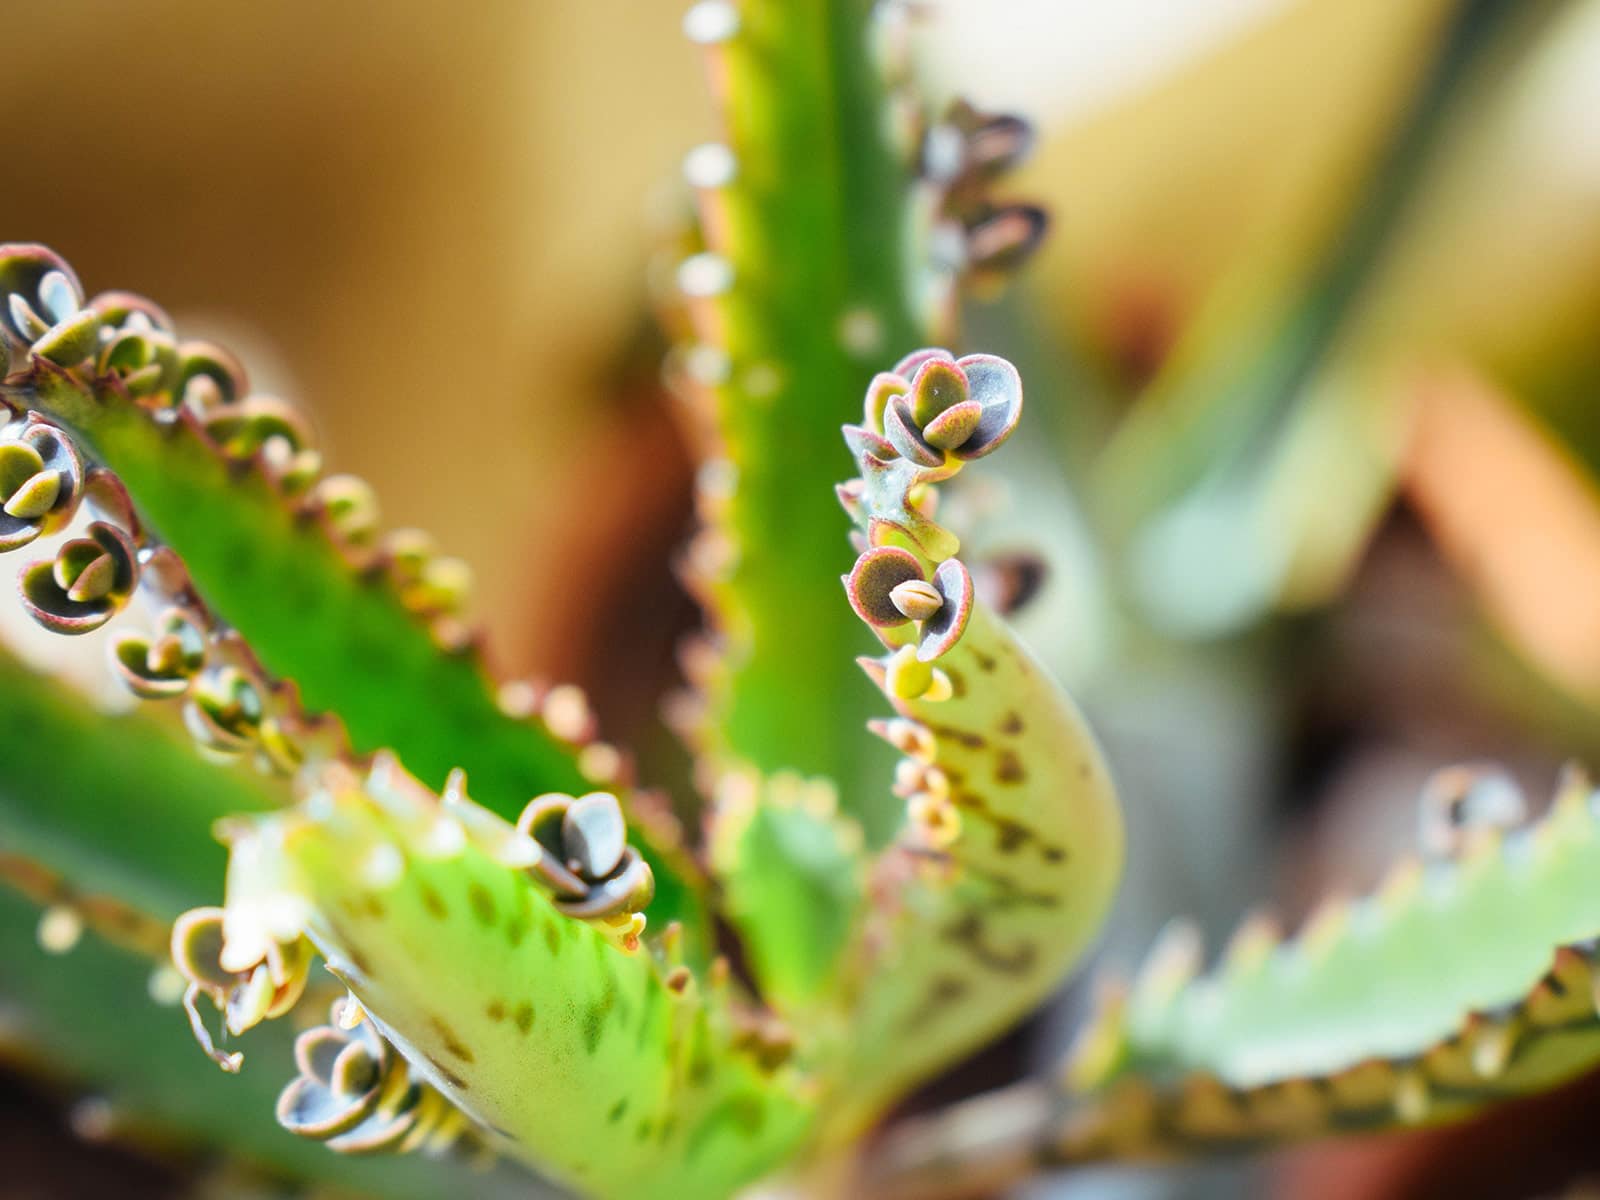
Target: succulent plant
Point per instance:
(518, 945)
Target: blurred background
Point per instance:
(1312, 356)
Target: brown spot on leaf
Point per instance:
(1008, 768)
(482, 904)
(453, 1044)
(967, 931)
(523, 1017)
(432, 901)
(942, 992)
(594, 1017)
(1011, 835)
(962, 737)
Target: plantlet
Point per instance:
(515, 946)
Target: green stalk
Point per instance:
(814, 225)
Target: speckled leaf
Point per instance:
(1462, 981)
(1002, 881)
(1012, 847)
(344, 637)
(579, 1054)
(1465, 980)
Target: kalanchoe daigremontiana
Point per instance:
(196, 435)
(588, 836)
(924, 418)
(357, 1095)
(887, 589)
(162, 665)
(248, 982)
(89, 579)
(442, 919)
(971, 236)
(44, 306)
(504, 985)
(1254, 1051)
(935, 404)
(41, 481)
(1000, 778)
(962, 154)
(231, 706)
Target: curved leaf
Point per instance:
(1005, 869)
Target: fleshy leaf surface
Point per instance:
(1467, 979)
(1464, 979)
(791, 867)
(1012, 846)
(614, 1073)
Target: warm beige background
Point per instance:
(423, 221)
(427, 223)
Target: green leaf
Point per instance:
(1001, 881)
(791, 870)
(1010, 855)
(808, 282)
(1468, 979)
(616, 1075)
(119, 803)
(142, 1064)
(272, 568)
(1464, 980)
